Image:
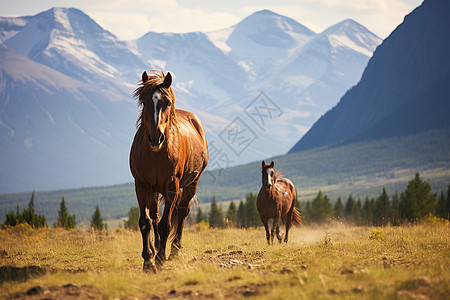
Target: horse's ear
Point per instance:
(144, 77)
(271, 164)
(167, 81)
(263, 163)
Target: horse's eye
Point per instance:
(169, 104)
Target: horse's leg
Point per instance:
(288, 221)
(183, 210)
(154, 215)
(265, 221)
(146, 226)
(168, 224)
(276, 227)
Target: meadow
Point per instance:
(329, 262)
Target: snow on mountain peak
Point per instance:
(219, 75)
(62, 18)
(353, 35)
(219, 38)
(269, 29)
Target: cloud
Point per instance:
(130, 19)
(132, 25)
(379, 16)
(193, 19)
(126, 26)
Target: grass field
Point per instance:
(334, 262)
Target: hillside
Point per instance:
(67, 114)
(403, 90)
(361, 169)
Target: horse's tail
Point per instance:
(296, 217)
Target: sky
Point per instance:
(130, 19)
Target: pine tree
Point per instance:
(382, 209)
(448, 202)
(215, 215)
(321, 208)
(64, 220)
(306, 217)
(31, 204)
(241, 215)
(441, 208)
(368, 208)
(339, 209)
(200, 217)
(251, 212)
(350, 209)
(97, 220)
(27, 216)
(417, 200)
(395, 210)
(133, 218)
(358, 214)
(232, 214)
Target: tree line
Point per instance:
(411, 205)
(244, 215)
(63, 220)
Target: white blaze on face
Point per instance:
(156, 97)
(269, 176)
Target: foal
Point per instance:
(276, 200)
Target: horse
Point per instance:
(276, 200)
(167, 158)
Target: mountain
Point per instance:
(265, 39)
(268, 75)
(67, 115)
(56, 130)
(62, 123)
(404, 89)
(70, 42)
(10, 26)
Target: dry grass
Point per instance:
(335, 262)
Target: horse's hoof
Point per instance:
(174, 251)
(149, 267)
(160, 261)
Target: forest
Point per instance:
(414, 204)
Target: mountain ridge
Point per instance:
(95, 123)
(390, 79)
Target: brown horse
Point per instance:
(169, 153)
(276, 200)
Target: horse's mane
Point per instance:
(144, 89)
(277, 175)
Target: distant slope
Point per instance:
(68, 116)
(53, 131)
(304, 73)
(404, 88)
(361, 169)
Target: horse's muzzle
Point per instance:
(156, 140)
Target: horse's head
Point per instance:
(158, 109)
(268, 175)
